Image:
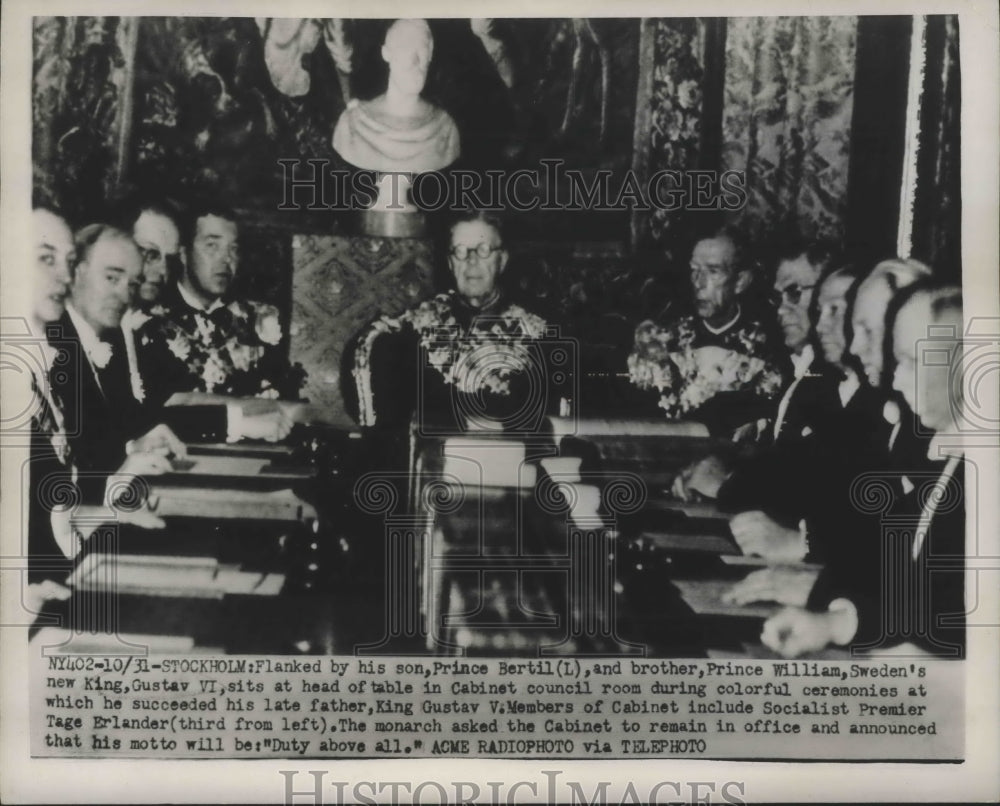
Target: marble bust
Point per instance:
(398, 130)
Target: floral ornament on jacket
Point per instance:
(687, 376)
(232, 350)
(483, 358)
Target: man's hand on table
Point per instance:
(703, 477)
(784, 584)
(795, 631)
(160, 439)
(272, 426)
(756, 533)
(38, 593)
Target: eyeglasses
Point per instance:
(792, 294)
(483, 251)
(151, 255)
(154, 255)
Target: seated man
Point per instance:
(857, 440)
(205, 339)
(869, 315)
(54, 534)
(464, 358)
(902, 585)
(716, 366)
(154, 230)
(811, 394)
(103, 420)
(832, 427)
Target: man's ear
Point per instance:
(743, 280)
(504, 255)
(79, 268)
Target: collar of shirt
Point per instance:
(802, 361)
(715, 331)
(848, 387)
(134, 319)
(98, 352)
(801, 364)
(192, 301)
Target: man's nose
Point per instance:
(62, 273)
(855, 346)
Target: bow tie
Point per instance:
(100, 354)
(221, 317)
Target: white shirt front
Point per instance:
(97, 352)
(800, 365)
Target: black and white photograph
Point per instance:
(484, 397)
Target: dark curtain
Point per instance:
(81, 109)
(937, 206)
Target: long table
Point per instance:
(571, 543)
(566, 542)
(254, 543)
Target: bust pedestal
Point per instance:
(392, 223)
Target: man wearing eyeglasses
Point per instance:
(463, 359)
(719, 365)
(755, 491)
(795, 280)
(155, 233)
(199, 336)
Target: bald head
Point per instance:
(871, 303)
(931, 386)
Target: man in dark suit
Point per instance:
(58, 532)
(103, 420)
(160, 301)
(718, 365)
(874, 432)
(902, 590)
(766, 489)
(200, 337)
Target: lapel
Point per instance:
(72, 377)
(812, 402)
(114, 378)
(82, 390)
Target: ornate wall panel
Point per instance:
(339, 284)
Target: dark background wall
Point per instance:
(810, 110)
